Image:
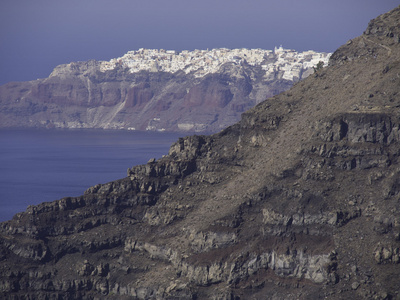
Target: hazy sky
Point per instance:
(37, 35)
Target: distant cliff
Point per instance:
(201, 90)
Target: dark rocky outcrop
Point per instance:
(299, 200)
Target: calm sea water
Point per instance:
(45, 165)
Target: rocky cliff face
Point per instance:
(190, 91)
(299, 200)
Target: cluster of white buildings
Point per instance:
(289, 64)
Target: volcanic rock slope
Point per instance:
(299, 200)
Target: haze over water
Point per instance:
(45, 165)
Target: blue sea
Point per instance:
(45, 165)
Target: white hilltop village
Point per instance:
(291, 65)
